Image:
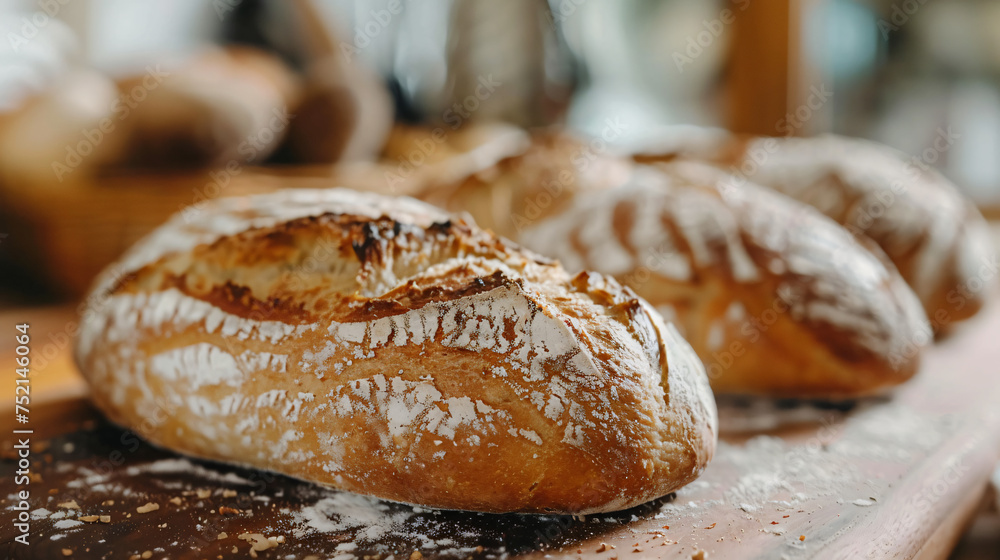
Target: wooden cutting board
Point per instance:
(897, 477)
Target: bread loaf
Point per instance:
(219, 106)
(936, 238)
(774, 297)
(384, 347)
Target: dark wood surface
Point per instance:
(897, 477)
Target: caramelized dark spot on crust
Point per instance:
(411, 295)
(443, 228)
(375, 309)
(280, 237)
(654, 158)
(367, 247)
(238, 300)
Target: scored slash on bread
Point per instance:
(775, 297)
(384, 347)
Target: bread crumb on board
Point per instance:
(150, 506)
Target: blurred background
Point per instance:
(115, 114)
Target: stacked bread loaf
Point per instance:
(776, 297)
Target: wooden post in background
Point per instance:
(769, 76)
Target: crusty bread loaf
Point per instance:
(382, 346)
(936, 238)
(776, 298)
(218, 106)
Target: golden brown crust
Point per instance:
(384, 347)
(774, 297)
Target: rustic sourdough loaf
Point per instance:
(384, 347)
(776, 298)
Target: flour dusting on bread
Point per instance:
(388, 348)
(705, 249)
